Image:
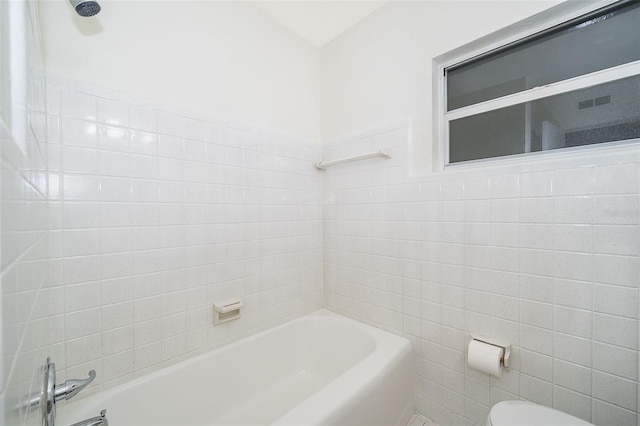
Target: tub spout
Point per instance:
(100, 420)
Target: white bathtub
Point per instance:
(320, 369)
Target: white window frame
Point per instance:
(542, 21)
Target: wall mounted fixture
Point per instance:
(51, 393)
(227, 311)
(383, 153)
(86, 8)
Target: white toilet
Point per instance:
(523, 413)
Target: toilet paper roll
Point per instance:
(485, 357)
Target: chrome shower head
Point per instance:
(85, 7)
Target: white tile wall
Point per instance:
(543, 254)
(160, 212)
(24, 294)
(157, 212)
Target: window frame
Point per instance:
(540, 22)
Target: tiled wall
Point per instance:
(24, 298)
(156, 214)
(543, 253)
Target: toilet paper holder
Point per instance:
(506, 355)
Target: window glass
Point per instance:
(580, 47)
(602, 113)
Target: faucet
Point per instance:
(71, 387)
(100, 420)
(50, 393)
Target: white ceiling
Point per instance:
(319, 21)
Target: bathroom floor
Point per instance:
(419, 420)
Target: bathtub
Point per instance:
(320, 369)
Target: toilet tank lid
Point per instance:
(523, 413)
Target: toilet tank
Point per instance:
(524, 413)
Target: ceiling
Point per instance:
(318, 21)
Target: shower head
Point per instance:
(85, 7)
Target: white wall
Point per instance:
(542, 253)
(226, 58)
(547, 257)
(544, 256)
(380, 70)
(182, 147)
(157, 213)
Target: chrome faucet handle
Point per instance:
(71, 387)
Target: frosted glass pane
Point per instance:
(609, 40)
(603, 113)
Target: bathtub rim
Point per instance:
(387, 346)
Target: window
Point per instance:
(574, 84)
